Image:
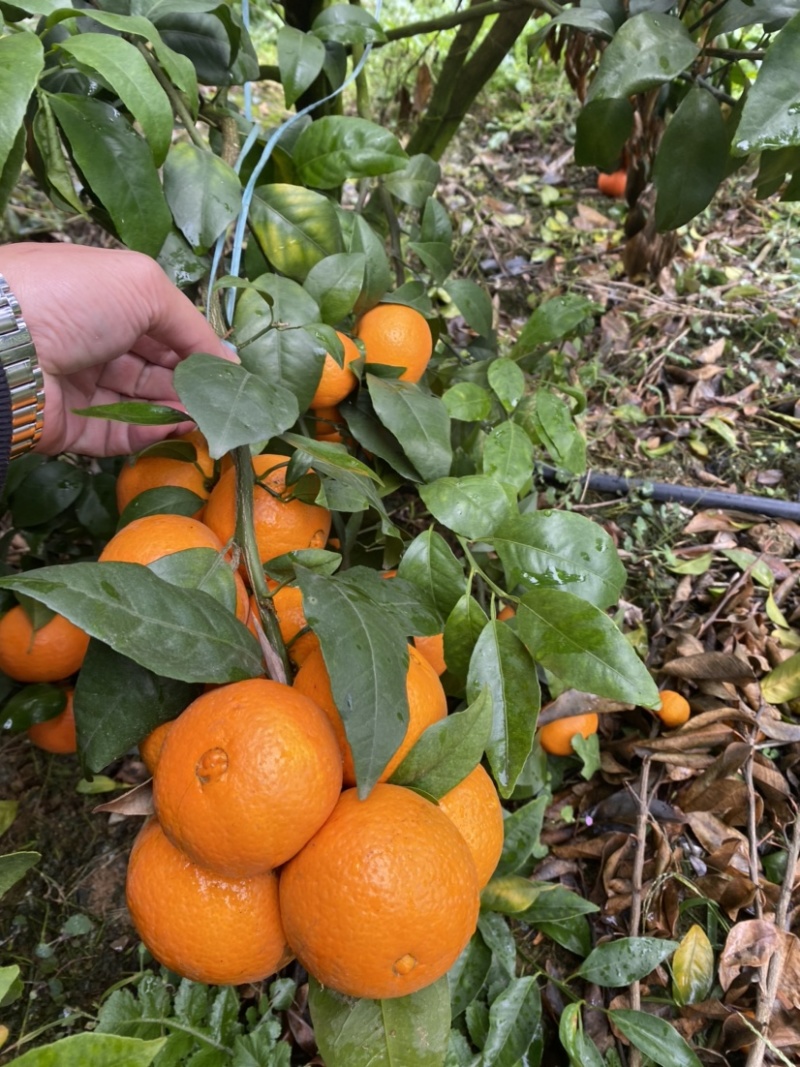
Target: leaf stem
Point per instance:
(479, 570)
(175, 98)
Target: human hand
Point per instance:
(108, 326)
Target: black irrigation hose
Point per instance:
(613, 485)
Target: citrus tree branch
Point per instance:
(477, 11)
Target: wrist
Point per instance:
(23, 374)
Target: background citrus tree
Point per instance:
(291, 228)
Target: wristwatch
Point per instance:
(23, 373)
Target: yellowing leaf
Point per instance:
(693, 967)
(783, 683)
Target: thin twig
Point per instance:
(752, 833)
(175, 98)
(637, 881)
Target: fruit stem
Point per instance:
(275, 655)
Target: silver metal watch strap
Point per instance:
(23, 373)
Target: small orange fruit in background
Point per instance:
(152, 472)
(288, 604)
(150, 746)
(506, 613)
(336, 382)
(49, 654)
(203, 926)
(613, 185)
(427, 704)
(556, 737)
(154, 536)
(281, 525)
(475, 808)
(432, 648)
(674, 710)
(56, 734)
(398, 336)
(247, 774)
(382, 900)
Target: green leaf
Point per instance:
(654, 1037)
(582, 647)
(647, 50)
(601, 130)
(560, 550)
(335, 284)
(136, 412)
(48, 141)
(416, 182)
(474, 303)
(693, 969)
(21, 63)
(436, 256)
(284, 567)
(347, 25)
(32, 704)
(783, 683)
(163, 500)
(521, 831)
(553, 320)
(418, 420)
(508, 456)
(629, 959)
(373, 436)
(295, 227)
(501, 663)
(770, 116)
(366, 654)
(508, 382)
(509, 894)
(11, 987)
(461, 631)
(123, 67)
(738, 13)
(548, 420)
(515, 1023)
(12, 168)
(692, 160)
(581, 1050)
(300, 59)
(230, 405)
(220, 52)
(430, 563)
(335, 148)
(174, 632)
(203, 193)
(15, 866)
(119, 169)
(448, 750)
(8, 813)
(117, 703)
(468, 974)
(92, 1050)
(47, 492)
(496, 932)
(377, 273)
(467, 402)
(561, 915)
(473, 506)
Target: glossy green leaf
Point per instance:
(51, 149)
(294, 227)
(199, 568)
(300, 59)
(12, 168)
(117, 703)
(366, 655)
(496, 932)
(14, 866)
(738, 13)
(335, 148)
(655, 1037)
(474, 303)
(553, 320)
(92, 1050)
(430, 563)
(692, 160)
(163, 500)
(32, 704)
(448, 750)
(770, 116)
(501, 663)
(418, 420)
(373, 436)
(468, 974)
(581, 1050)
(136, 412)
(284, 567)
(220, 52)
(230, 405)
(783, 683)
(560, 550)
(123, 67)
(521, 830)
(335, 283)
(693, 970)
(47, 492)
(181, 634)
(515, 1022)
(473, 506)
(377, 273)
(601, 130)
(347, 25)
(11, 987)
(462, 629)
(467, 402)
(21, 63)
(416, 182)
(203, 193)
(628, 959)
(436, 256)
(508, 456)
(353, 1032)
(508, 382)
(582, 646)
(647, 50)
(561, 915)
(548, 420)
(119, 169)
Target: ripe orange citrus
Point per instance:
(247, 774)
(507, 612)
(56, 734)
(432, 648)
(150, 746)
(556, 737)
(154, 536)
(51, 653)
(152, 472)
(474, 806)
(674, 710)
(383, 898)
(427, 704)
(281, 525)
(398, 336)
(336, 382)
(613, 185)
(288, 604)
(203, 926)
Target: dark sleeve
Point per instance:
(5, 427)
